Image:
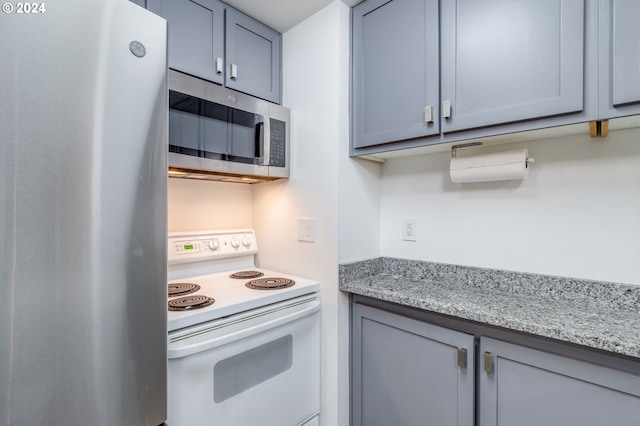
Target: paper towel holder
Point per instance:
(454, 148)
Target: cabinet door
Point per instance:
(510, 60)
(253, 57)
(395, 71)
(532, 388)
(196, 31)
(405, 372)
(619, 58)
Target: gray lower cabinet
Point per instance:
(408, 372)
(213, 41)
(506, 61)
(395, 74)
(619, 58)
(528, 387)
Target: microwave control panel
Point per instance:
(278, 145)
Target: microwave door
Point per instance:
(197, 127)
(184, 134)
(215, 130)
(246, 137)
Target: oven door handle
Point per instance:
(182, 349)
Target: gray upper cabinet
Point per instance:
(425, 72)
(506, 61)
(196, 36)
(213, 41)
(395, 74)
(253, 57)
(407, 372)
(527, 387)
(619, 58)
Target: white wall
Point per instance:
(359, 208)
(314, 89)
(577, 215)
(205, 205)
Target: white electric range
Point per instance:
(242, 339)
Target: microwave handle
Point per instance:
(259, 141)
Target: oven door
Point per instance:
(257, 368)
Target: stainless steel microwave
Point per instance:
(219, 134)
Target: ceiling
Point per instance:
(282, 15)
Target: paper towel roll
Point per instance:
(490, 167)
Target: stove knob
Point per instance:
(246, 241)
(213, 244)
(235, 243)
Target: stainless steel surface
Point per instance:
(454, 148)
(83, 128)
(207, 168)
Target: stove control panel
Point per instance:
(197, 246)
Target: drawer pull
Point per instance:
(488, 362)
(446, 109)
(428, 114)
(462, 358)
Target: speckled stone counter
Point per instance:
(596, 314)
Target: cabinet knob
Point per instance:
(446, 109)
(234, 71)
(219, 65)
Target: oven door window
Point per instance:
(245, 370)
(205, 129)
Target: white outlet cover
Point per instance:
(409, 230)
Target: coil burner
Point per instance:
(270, 283)
(182, 289)
(246, 275)
(189, 303)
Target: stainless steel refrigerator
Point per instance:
(83, 146)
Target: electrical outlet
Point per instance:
(409, 231)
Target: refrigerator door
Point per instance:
(83, 213)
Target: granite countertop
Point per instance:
(595, 314)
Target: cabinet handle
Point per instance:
(234, 71)
(428, 114)
(219, 65)
(462, 358)
(446, 109)
(488, 362)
